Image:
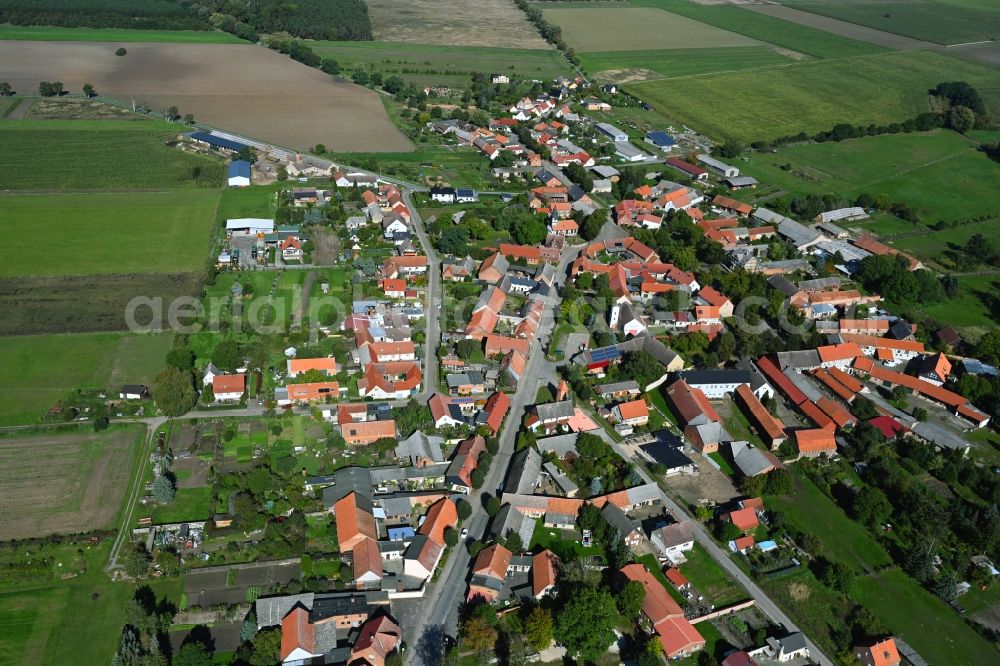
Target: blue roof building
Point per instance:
(660, 139)
(239, 173)
(218, 141)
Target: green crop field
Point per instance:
(92, 154)
(936, 632)
(37, 370)
(443, 65)
(619, 28)
(622, 66)
(797, 38)
(940, 173)
(814, 96)
(94, 233)
(54, 34)
(938, 21)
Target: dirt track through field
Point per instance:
(244, 88)
(62, 483)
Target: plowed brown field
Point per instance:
(243, 88)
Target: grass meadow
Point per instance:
(95, 233)
(939, 172)
(426, 64)
(940, 21)
(54, 621)
(37, 370)
(56, 34)
(99, 154)
(814, 96)
(936, 632)
(844, 540)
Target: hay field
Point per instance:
(493, 23)
(64, 482)
(37, 370)
(240, 87)
(629, 66)
(814, 96)
(87, 234)
(595, 29)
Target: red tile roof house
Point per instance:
(378, 638)
(229, 388)
(634, 413)
(543, 573)
(489, 572)
(743, 519)
(355, 521)
(880, 653)
(678, 637)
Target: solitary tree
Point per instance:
(172, 113)
(173, 392)
(189, 118)
(538, 628)
(5, 89)
(88, 90)
(163, 489)
(120, 51)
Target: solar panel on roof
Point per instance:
(604, 354)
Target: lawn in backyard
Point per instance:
(814, 96)
(57, 34)
(843, 540)
(792, 36)
(37, 370)
(937, 21)
(99, 154)
(819, 612)
(936, 632)
(624, 66)
(426, 64)
(561, 542)
(99, 233)
(709, 578)
(188, 504)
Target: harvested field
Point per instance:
(85, 304)
(88, 234)
(243, 88)
(495, 23)
(588, 30)
(796, 13)
(63, 483)
(72, 108)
